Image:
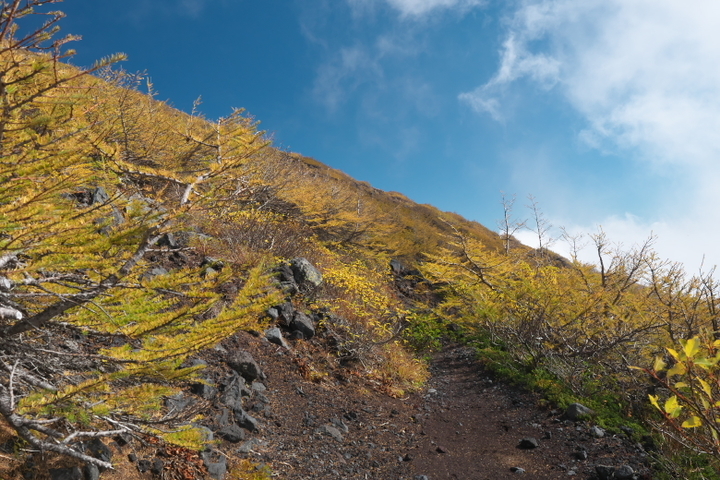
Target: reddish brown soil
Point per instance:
(464, 426)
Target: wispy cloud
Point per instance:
(192, 8)
(418, 8)
(340, 77)
(646, 77)
(142, 11)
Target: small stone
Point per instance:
(245, 365)
(440, 449)
(123, 439)
(97, 449)
(73, 473)
(92, 472)
(421, 477)
(517, 470)
(340, 425)
(245, 421)
(157, 466)
(274, 335)
(231, 433)
(577, 411)
(216, 464)
(528, 443)
(247, 447)
(331, 431)
(581, 455)
(144, 466)
(605, 472)
(303, 324)
(597, 432)
(624, 473)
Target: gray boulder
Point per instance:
(274, 335)
(92, 472)
(331, 431)
(305, 274)
(245, 365)
(528, 443)
(285, 313)
(577, 411)
(625, 472)
(216, 463)
(97, 449)
(233, 392)
(605, 472)
(231, 433)
(303, 324)
(244, 420)
(73, 473)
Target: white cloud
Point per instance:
(192, 8)
(337, 79)
(646, 77)
(418, 8)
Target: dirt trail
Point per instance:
(465, 425)
(473, 427)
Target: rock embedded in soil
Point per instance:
(305, 273)
(245, 421)
(303, 324)
(625, 473)
(274, 335)
(92, 472)
(216, 464)
(245, 365)
(73, 473)
(97, 449)
(605, 472)
(331, 431)
(231, 433)
(528, 443)
(577, 411)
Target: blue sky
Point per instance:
(607, 111)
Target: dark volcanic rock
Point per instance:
(243, 419)
(577, 411)
(274, 335)
(605, 472)
(216, 464)
(234, 390)
(231, 433)
(528, 443)
(205, 389)
(244, 364)
(73, 473)
(157, 466)
(144, 466)
(178, 402)
(92, 472)
(97, 449)
(303, 324)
